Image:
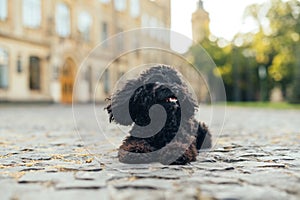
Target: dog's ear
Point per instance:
(118, 107)
(188, 104)
(109, 110)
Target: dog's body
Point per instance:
(181, 136)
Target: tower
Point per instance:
(200, 23)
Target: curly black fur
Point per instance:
(182, 133)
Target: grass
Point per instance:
(272, 105)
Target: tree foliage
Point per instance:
(273, 46)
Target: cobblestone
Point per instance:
(41, 157)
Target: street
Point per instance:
(42, 157)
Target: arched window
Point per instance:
(62, 20)
(84, 24)
(135, 8)
(31, 12)
(34, 73)
(3, 68)
(120, 5)
(3, 10)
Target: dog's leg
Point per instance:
(134, 151)
(203, 137)
(175, 148)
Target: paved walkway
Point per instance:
(42, 157)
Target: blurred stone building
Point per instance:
(44, 42)
(200, 23)
(200, 31)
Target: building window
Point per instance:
(120, 5)
(34, 73)
(89, 79)
(62, 20)
(3, 68)
(19, 64)
(135, 8)
(3, 9)
(84, 25)
(104, 33)
(31, 13)
(106, 81)
(145, 20)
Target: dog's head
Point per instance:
(161, 85)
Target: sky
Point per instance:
(226, 16)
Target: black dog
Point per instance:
(158, 98)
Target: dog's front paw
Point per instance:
(177, 153)
(134, 151)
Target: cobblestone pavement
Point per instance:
(41, 157)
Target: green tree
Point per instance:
(275, 43)
(272, 47)
(236, 70)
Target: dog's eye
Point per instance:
(171, 99)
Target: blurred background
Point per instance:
(255, 45)
(258, 52)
